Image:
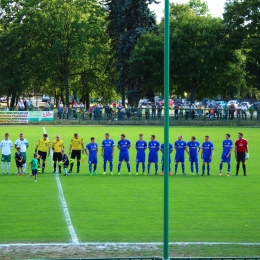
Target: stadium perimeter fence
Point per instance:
(159, 258)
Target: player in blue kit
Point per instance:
(140, 147)
(206, 155)
(154, 147)
(170, 161)
(123, 145)
(194, 149)
(91, 151)
(180, 147)
(108, 152)
(226, 154)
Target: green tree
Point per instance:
(128, 20)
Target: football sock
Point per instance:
(23, 167)
(238, 168)
(148, 167)
(182, 167)
(95, 167)
(90, 167)
(71, 166)
(137, 167)
(228, 167)
(143, 167)
(54, 166)
(220, 167)
(119, 167)
(191, 167)
(128, 167)
(170, 168)
(78, 165)
(176, 168)
(65, 171)
(197, 167)
(162, 167)
(105, 166)
(156, 167)
(43, 164)
(3, 166)
(208, 169)
(8, 167)
(111, 166)
(203, 169)
(244, 168)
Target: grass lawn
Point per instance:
(130, 208)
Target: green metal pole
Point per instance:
(166, 126)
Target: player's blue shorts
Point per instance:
(179, 158)
(108, 157)
(194, 158)
(224, 159)
(92, 160)
(124, 157)
(140, 158)
(206, 159)
(153, 158)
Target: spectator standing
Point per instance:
(159, 111)
(251, 111)
(140, 111)
(128, 112)
(65, 112)
(231, 112)
(122, 112)
(153, 111)
(244, 109)
(239, 108)
(176, 111)
(147, 111)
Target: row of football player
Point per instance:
(192, 148)
(123, 144)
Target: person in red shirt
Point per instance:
(241, 152)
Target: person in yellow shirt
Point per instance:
(43, 148)
(75, 150)
(57, 146)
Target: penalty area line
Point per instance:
(122, 244)
(64, 206)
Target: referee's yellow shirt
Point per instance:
(77, 143)
(43, 145)
(57, 146)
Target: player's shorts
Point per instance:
(43, 155)
(92, 160)
(124, 157)
(193, 158)
(76, 153)
(24, 156)
(108, 157)
(224, 159)
(19, 164)
(153, 158)
(57, 157)
(206, 160)
(241, 156)
(6, 158)
(179, 158)
(34, 171)
(140, 159)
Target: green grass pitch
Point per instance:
(130, 208)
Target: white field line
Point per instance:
(122, 244)
(64, 206)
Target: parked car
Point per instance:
(247, 104)
(3, 98)
(45, 98)
(221, 102)
(234, 102)
(256, 105)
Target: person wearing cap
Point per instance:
(19, 161)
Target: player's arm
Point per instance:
(230, 150)
(82, 146)
(97, 152)
(36, 148)
(86, 151)
(70, 149)
(186, 149)
(129, 146)
(199, 150)
(15, 145)
(112, 151)
(235, 150)
(49, 149)
(211, 153)
(102, 151)
(202, 152)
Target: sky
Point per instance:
(216, 7)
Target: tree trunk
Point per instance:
(193, 94)
(87, 98)
(66, 83)
(12, 104)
